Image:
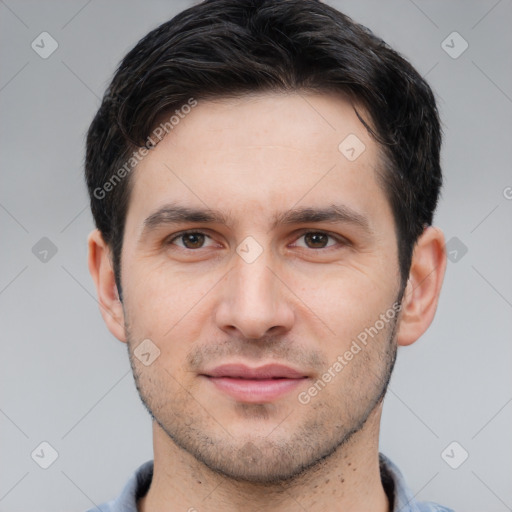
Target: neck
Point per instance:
(348, 480)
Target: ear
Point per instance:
(100, 267)
(421, 295)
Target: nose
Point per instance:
(255, 300)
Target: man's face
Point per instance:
(229, 299)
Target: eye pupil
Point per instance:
(316, 238)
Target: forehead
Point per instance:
(296, 121)
(260, 155)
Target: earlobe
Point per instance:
(423, 288)
(100, 267)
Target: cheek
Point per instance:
(162, 302)
(346, 301)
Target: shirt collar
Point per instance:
(399, 494)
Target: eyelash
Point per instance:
(339, 239)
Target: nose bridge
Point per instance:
(253, 299)
(254, 283)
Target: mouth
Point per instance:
(255, 385)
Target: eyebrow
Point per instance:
(171, 214)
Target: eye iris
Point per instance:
(316, 238)
(193, 240)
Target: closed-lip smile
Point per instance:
(260, 384)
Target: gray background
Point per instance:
(65, 380)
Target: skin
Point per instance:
(301, 303)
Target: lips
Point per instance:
(255, 385)
(269, 371)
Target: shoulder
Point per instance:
(136, 487)
(104, 507)
(428, 506)
(399, 492)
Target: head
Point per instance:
(301, 155)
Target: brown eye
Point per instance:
(316, 240)
(190, 240)
(319, 240)
(193, 240)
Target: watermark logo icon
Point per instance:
(454, 45)
(249, 249)
(351, 147)
(44, 455)
(454, 455)
(455, 249)
(147, 352)
(44, 250)
(44, 45)
(249, 453)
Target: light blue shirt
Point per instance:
(392, 480)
